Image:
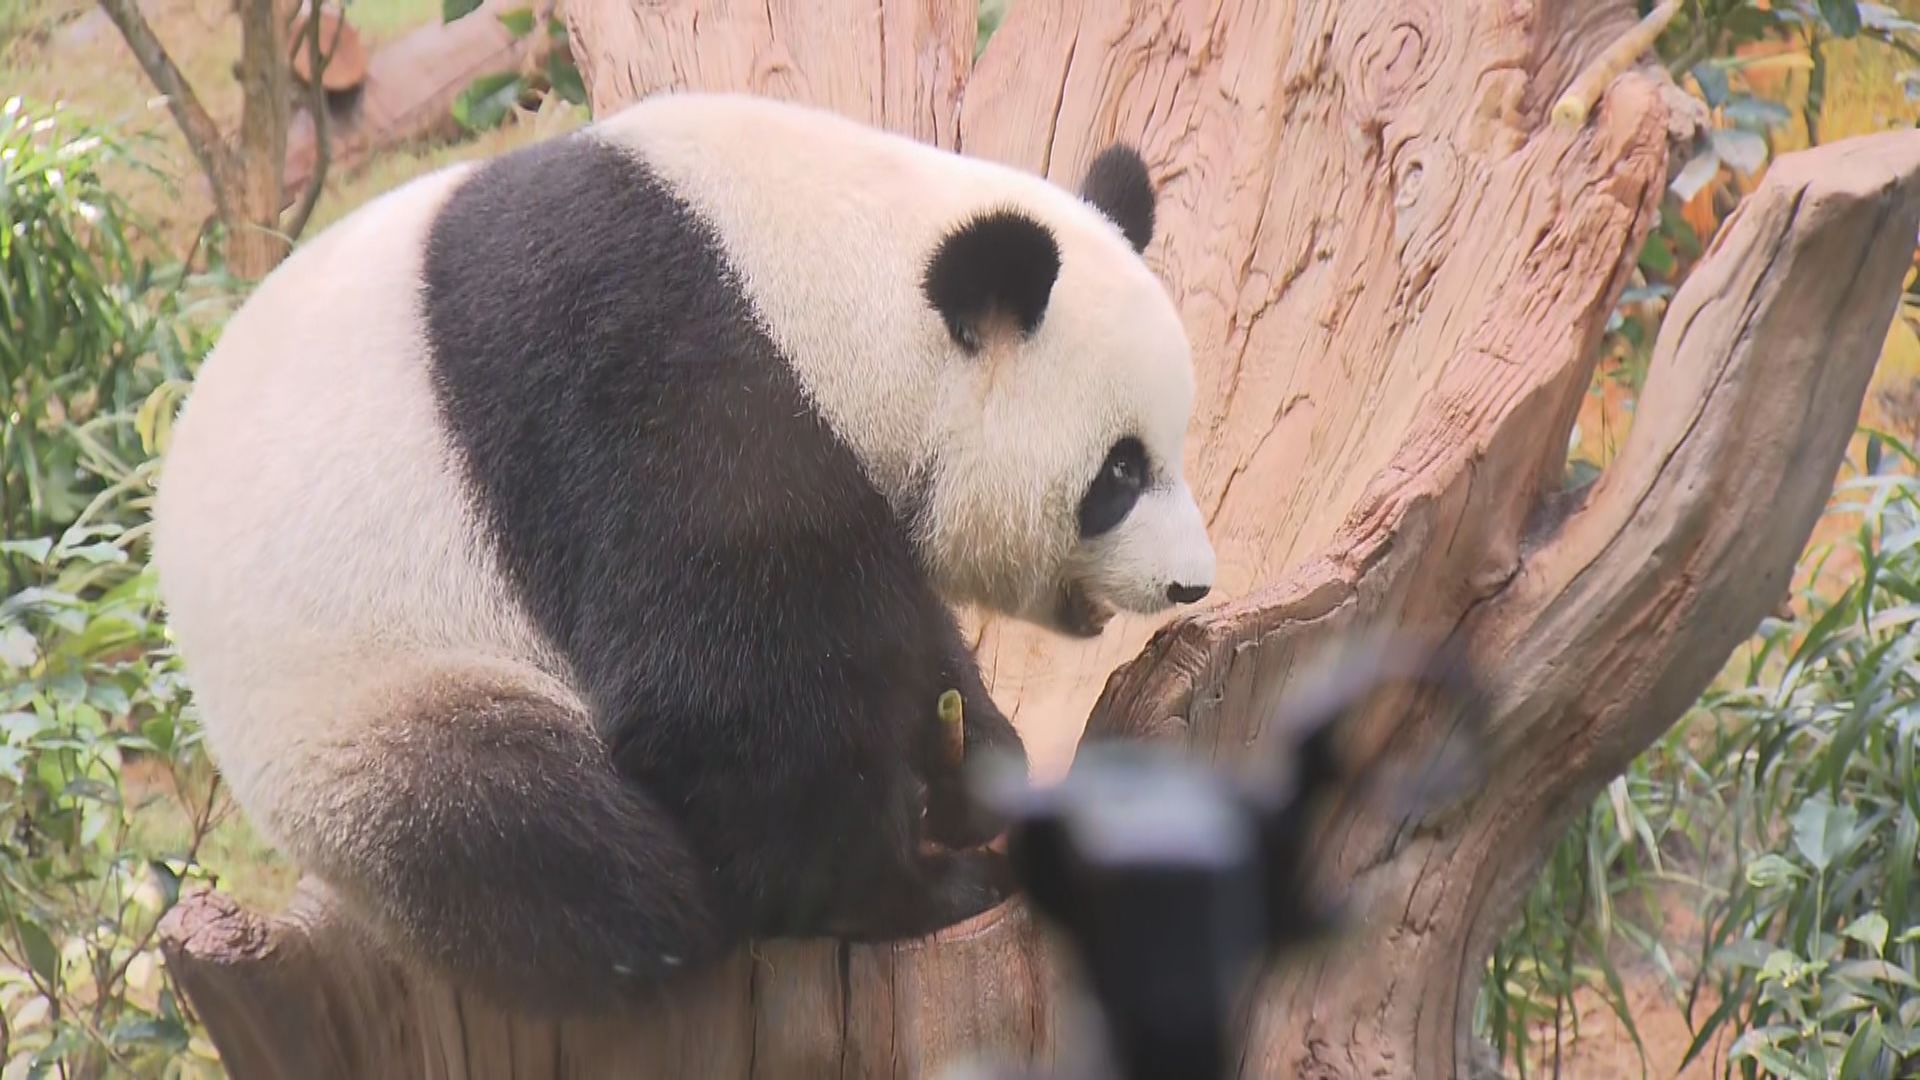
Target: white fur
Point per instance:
(302, 569)
(1132, 566)
(831, 224)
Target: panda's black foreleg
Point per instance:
(953, 820)
(843, 857)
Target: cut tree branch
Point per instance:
(1690, 537)
(1577, 103)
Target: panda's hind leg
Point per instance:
(485, 833)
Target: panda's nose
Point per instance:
(1187, 594)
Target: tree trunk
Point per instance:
(1395, 271)
(257, 193)
(243, 174)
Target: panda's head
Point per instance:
(1052, 488)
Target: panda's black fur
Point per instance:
(618, 411)
(1000, 263)
(1118, 184)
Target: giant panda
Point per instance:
(562, 547)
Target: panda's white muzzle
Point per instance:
(1159, 556)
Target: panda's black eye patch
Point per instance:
(1110, 498)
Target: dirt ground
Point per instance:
(1595, 1044)
(1605, 1049)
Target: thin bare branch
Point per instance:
(317, 60)
(203, 135)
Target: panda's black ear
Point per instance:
(1001, 264)
(1118, 185)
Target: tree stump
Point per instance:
(1395, 270)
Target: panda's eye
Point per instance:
(1115, 488)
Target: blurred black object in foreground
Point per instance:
(1175, 882)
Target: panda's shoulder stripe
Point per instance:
(642, 455)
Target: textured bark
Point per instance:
(243, 173)
(255, 242)
(1395, 271)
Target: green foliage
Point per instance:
(519, 21)
(1613, 860)
(490, 99)
(63, 319)
(87, 325)
(1842, 16)
(1704, 42)
(487, 100)
(94, 727)
(992, 14)
(1794, 802)
(95, 724)
(1701, 49)
(1784, 808)
(1815, 948)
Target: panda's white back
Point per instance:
(301, 568)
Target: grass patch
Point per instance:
(383, 20)
(386, 171)
(26, 22)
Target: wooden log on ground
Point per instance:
(408, 89)
(346, 58)
(1395, 271)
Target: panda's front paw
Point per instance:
(968, 883)
(955, 819)
(991, 734)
